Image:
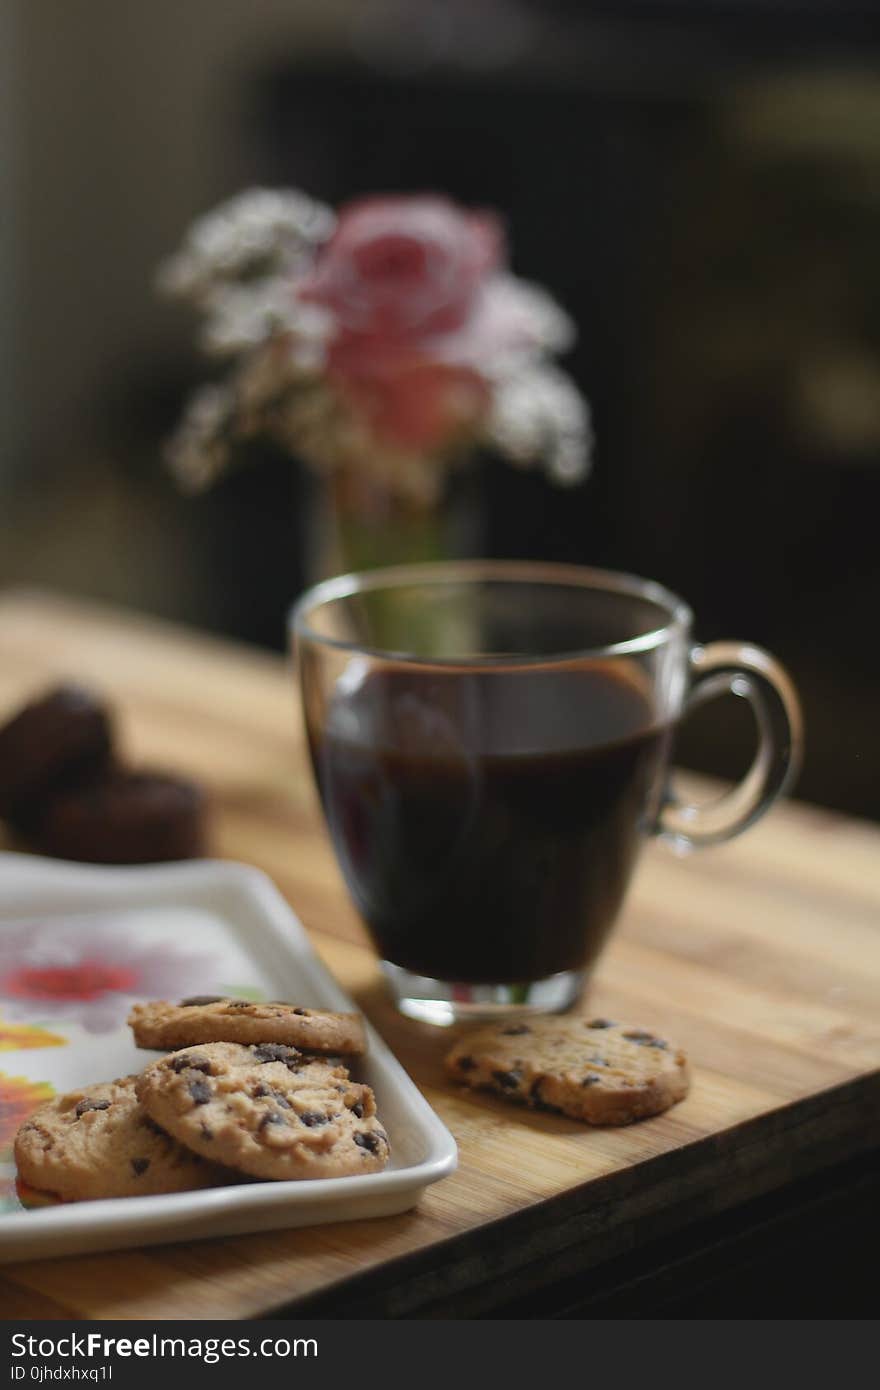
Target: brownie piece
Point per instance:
(52, 744)
(124, 817)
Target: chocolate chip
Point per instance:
(262, 1090)
(310, 1118)
(515, 1031)
(600, 1023)
(85, 1105)
(200, 1092)
(537, 1100)
(190, 1061)
(304, 1013)
(150, 1124)
(646, 1039)
(358, 1110)
(276, 1052)
(590, 1079)
(195, 999)
(466, 1064)
(367, 1141)
(271, 1117)
(507, 1080)
(239, 1003)
(139, 1166)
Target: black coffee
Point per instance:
(487, 821)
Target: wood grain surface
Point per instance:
(761, 958)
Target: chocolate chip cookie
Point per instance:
(266, 1110)
(212, 1018)
(592, 1069)
(100, 1142)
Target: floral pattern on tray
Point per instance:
(22, 1037)
(19, 1097)
(67, 984)
(90, 978)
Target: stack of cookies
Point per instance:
(244, 1091)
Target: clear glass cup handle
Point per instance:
(738, 668)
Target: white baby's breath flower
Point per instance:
(533, 319)
(260, 232)
(198, 452)
(538, 415)
(513, 323)
(241, 317)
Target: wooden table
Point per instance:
(762, 958)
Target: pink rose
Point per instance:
(404, 281)
(404, 268)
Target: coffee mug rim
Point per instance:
(680, 615)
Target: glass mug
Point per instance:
(491, 745)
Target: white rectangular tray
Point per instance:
(78, 945)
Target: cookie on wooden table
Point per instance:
(266, 1110)
(99, 1142)
(594, 1070)
(55, 741)
(212, 1018)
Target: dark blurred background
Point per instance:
(699, 184)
